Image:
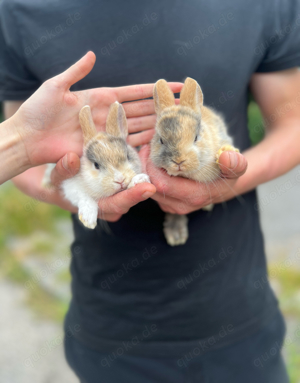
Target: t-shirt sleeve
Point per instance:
(281, 45)
(16, 81)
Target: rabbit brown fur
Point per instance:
(188, 141)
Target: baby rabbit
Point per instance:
(108, 164)
(189, 139)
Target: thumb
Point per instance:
(77, 71)
(232, 164)
(120, 203)
(66, 167)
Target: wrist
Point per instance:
(13, 155)
(255, 175)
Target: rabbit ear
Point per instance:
(116, 123)
(191, 95)
(163, 96)
(87, 124)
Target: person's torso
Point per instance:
(130, 278)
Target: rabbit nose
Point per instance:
(120, 182)
(178, 163)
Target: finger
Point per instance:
(139, 124)
(141, 108)
(66, 167)
(166, 209)
(138, 92)
(110, 217)
(166, 200)
(121, 202)
(232, 164)
(143, 138)
(77, 71)
(174, 205)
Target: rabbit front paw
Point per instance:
(225, 148)
(88, 216)
(138, 179)
(208, 207)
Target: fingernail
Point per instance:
(65, 162)
(233, 160)
(147, 194)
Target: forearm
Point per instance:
(275, 155)
(13, 157)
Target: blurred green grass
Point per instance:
(22, 216)
(255, 124)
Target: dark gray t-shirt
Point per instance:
(130, 286)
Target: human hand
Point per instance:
(48, 121)
(179, 195)
(111, 208)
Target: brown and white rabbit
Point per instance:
(189, 139)
(108, 164)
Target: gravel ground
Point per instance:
(31, 349)
(27, 353)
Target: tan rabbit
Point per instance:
(188, 142)
(108, 164)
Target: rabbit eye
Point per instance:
(97, 166)
(128, 157)
(161, 141)
(196, 138)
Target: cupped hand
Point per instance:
(179, 195)
(111, 208)
(48, 121)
